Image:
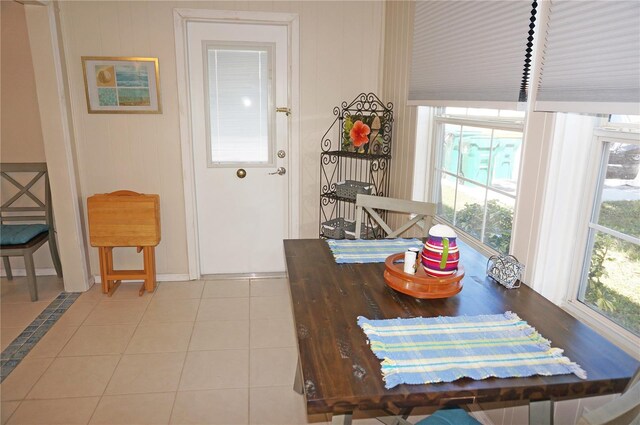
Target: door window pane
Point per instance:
(239, 99)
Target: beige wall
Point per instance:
(339, 57)
(21, 134)
(397, 60)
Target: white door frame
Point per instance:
(180, 19)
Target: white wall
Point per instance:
(339, 58)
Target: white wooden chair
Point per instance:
(624, 410)
(423, 213)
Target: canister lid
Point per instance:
(442, 231)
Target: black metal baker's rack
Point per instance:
(337, 164)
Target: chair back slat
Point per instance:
(23, 218)
(423, 212)
(8, 210)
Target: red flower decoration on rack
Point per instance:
(359, 133)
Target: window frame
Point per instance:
(434, 173)
(584, 242)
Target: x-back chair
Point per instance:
(422, 211)
(31, 218)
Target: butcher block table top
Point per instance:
(340, 373)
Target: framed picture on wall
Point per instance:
(121, 85)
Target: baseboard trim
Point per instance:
(167, 277)
(23, 272)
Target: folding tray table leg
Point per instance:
(103, 269)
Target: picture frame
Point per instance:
(121, 85)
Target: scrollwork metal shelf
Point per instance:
(339, 161)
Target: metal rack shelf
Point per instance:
(338, 163)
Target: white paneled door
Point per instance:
(238, 78)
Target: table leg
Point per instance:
(541, 412)
(297, 381)
(344, 419)
(393, 420)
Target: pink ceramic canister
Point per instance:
(440, 254)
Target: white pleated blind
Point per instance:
(591, 57)
(238, 82)
(471, 51)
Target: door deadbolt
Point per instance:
(241, 173)
(281, 153)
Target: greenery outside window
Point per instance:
(610, 281)
(476, 171)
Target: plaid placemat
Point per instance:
(369, 251)
(443, 349)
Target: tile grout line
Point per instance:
(186, 354)
(249, 380)
(74, 332)
(14, 410)
(100, 397)
(28, 338)
(49, 366)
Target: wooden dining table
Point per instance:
(339, 374)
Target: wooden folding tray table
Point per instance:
(125, 219)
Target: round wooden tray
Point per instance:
(420, 285)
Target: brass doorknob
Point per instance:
(241, 173)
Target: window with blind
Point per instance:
(610, 280)
(476, 172)
(239, 93)
(590, 57)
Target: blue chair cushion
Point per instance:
(455, 416)
(16, 234)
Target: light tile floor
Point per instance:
(200, 352)
(16, 309)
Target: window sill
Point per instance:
(605, 327)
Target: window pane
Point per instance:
(450, 148)
(470, 208)
(446, 203)
(476, 144)
(477, 167)
(624, 162)
(620, 203)
(238, 101)
(505, 160)
(497, 232)
(613, 281)
(625, 119)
